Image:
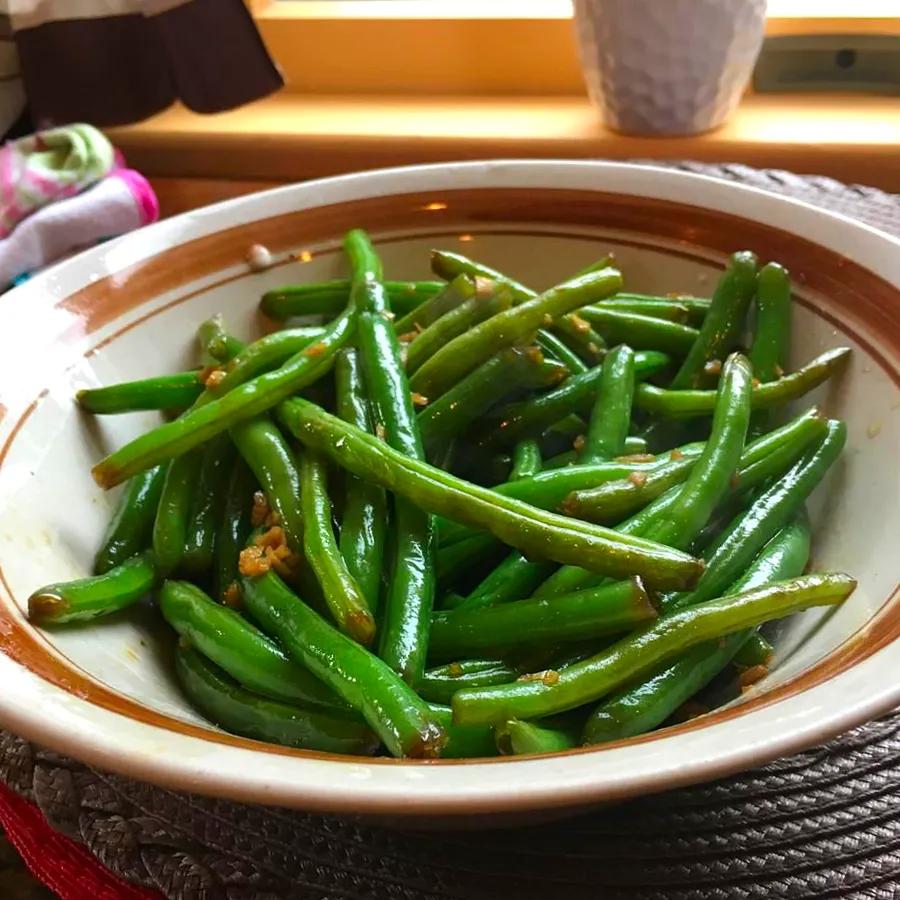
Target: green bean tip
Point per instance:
(361, 627)
(430, 744)
(105, 476)
(645, 599)
(44, 607)
(503, 737)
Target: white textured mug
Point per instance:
(668, 66)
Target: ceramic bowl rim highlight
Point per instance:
(187, 760)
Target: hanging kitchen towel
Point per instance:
(111, 62)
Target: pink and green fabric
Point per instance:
(48, 166)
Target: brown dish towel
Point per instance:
(822, 824)
(121, 61)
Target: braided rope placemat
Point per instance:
(822, 824)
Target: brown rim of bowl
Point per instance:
(699, 233)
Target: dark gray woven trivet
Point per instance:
(822, 824)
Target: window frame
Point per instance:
(421, 47)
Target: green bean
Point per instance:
(438, 685)
(364, 520)
(599, 263)
(723, 322)
(772, 464)
(216, 343)
(238, 648)
(502, 494)
(732, 505)
(697, 307)
(261, 356)
(484, 304)
(680, 404)
(521, 526)
(451, 265)
(516, 577)
(130, 528)
(612, 500)
(596, 612)
(771, 511)
(781, 456)
(207, 501)
(574, 333)
(463, 741)
(528, 418)
(655, 307)
(642, 652)
(466, 352)
(462, 556)
(526, 460)
(635, 446)
(273, 463)
(170, 528)
(580, 337)
(343, 595)
(561, 460)
(643, 707)
(710, 479)
(515, 738)
(241, 403)
(639, 331)
(328, 298)
(162, 392)
(563, 435)
(569, 654)
(755, 651)
(400, 718)
(554, 348)
(409, 596)
(611, 415)
(784, 452)
(449, 600)
(239, 711)
(234, 528)
(510, 369)
(407, 296)
(99, 595)
(449, 297)
(471, 461)
(574, 577)
(772, 333)
(772, 337)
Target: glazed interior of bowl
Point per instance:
(136, 318)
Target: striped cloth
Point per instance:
(111, 62)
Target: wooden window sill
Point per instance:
(291, 137)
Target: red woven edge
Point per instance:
(62, 865)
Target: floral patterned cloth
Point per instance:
(48, 166)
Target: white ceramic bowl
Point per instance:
(104, 693)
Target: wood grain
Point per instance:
(290, 137)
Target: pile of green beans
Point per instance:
(425, 522)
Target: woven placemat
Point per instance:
(821, 824)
